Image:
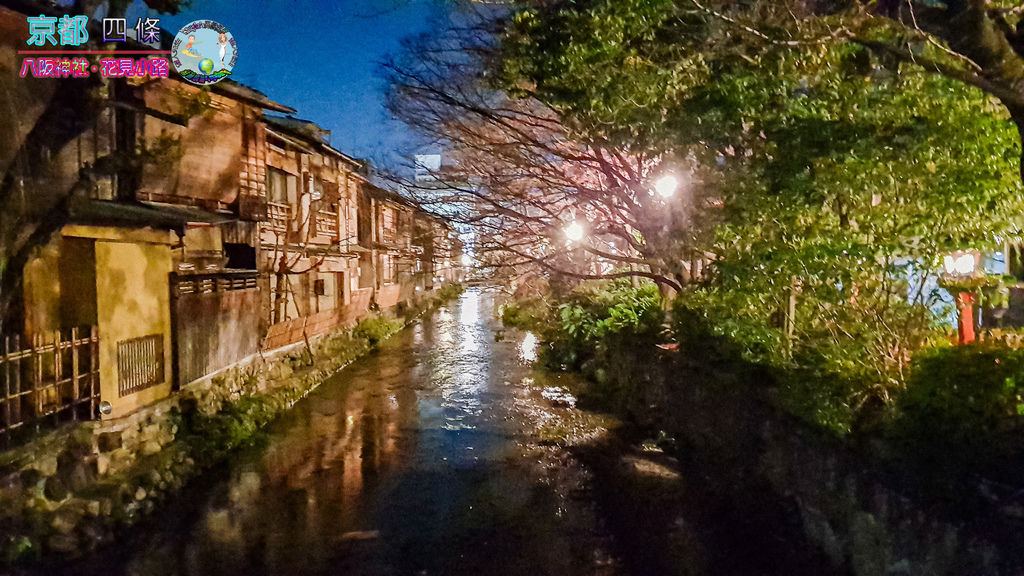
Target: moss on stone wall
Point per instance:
(74, 489)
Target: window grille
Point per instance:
(140, 363)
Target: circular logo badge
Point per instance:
(204, 52)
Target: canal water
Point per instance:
(442, 453)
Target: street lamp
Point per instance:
(961, 279)
(574, 231)
(959, 264)
(467, 260)
(666, 186)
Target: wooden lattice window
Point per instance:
(140, 363)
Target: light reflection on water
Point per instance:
(528, 348)
(404, 463)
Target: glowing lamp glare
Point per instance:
(959, 264)
(666, 186)
(574, 231)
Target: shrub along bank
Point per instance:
(927, 483)
(74, 489)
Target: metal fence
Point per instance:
(49, 380)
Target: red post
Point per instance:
(965, 319)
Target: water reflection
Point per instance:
(408, 462)
(528, 348)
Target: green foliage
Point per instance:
(964, 402)
(604, 315)
(617, 310)
(376, 329)
(18, 549)
(449, 292)
(840, 179)
(814, 388)
(527, 314)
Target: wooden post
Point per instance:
(37, 378)
(965, 318)
(789, 317)
(94, 350)
(76, 396)
(16, 410)
(57, 377)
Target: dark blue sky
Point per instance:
(321, 59)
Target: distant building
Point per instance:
(427, 166)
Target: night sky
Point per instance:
(321, 59)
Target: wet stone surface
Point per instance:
(442, 453)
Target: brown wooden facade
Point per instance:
(212, 227)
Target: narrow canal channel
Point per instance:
(439, 454)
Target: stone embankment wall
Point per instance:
(727, 427)
(73, 489)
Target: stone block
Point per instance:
(46, 464)
(151, 432)
(66, 519)
(63, 543)
(79, 474)
(120, 459)
(55, 489)
(102, 464)
(109, 441)
(151, 447)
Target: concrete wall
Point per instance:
(133, 300)
(60, 286)
(42, 290)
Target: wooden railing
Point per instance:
(327, 223)
(277, 216)
(214, 282)
(53, 379)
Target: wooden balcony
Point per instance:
(327, 224)
(278, 216)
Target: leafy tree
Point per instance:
(976, 43)
(841, 174)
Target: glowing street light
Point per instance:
(574, 231)
(961, 276)
(666, 186)
(959, 264)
